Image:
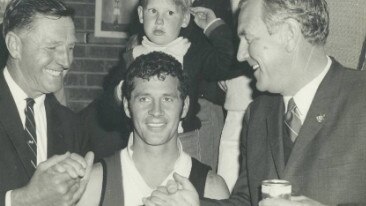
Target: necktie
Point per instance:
(30, 131)
(292, 120)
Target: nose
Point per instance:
(156, 109)
(64, 57)
(159, 20)
(243, 51)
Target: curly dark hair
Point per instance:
(155, 64)
(19, 14)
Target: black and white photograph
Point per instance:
(182, 102)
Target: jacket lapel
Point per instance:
(55, 137)
(318, 114)
(13, 126)
(274, 131)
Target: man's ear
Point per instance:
(185, 107)
(14, 44)
(186, 18)
(290, 32)
(140, 12)
(126, 107)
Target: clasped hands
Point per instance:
(179, 191)
(60, 180)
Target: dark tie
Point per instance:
(292, 120)
(30, 131)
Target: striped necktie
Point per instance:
(292, 120)
(30, 131)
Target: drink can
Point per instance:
(276, 188)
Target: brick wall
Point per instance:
(93, 57)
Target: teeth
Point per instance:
(156, 124)
(255, 67)
(54, 72)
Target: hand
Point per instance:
(89, 158)
(202, 16)
(295, 201)
(53, 182)
(178, 193)
(74, 165)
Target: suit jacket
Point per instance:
(62, 135)
(327, 162)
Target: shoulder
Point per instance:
(216, 187)
(92, 194)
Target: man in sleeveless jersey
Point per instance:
(155, 99)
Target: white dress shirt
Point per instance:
(19, 97)
(304, 97)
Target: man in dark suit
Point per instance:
(311, 130)
(37, 134)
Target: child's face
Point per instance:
(162, 20)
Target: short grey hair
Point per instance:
(312, 15)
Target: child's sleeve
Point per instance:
(216, 53)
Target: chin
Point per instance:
(52, 89)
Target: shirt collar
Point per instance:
(18, 94)
(304, 97)
(182, 165)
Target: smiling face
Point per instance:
(43, 54)
(265, 52)
(156, 108)
(162, 20)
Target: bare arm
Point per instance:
(93, 190)
(216, 187)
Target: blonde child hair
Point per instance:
(182, 4)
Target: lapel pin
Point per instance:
(320, 118)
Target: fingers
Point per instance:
(53, 161)
(186, 184)
(73, 167)
(162, 189)
(172, 187)
(89, 159)
(76, 166)
(200, 9)
(65, 167)
(158, 197)
(202, 12)
(298, 198)
(276, 202)
(78, 159)
(148, 202)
